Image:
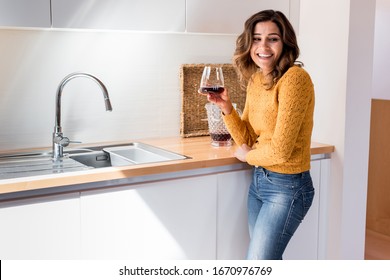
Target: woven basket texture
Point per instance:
(193, 113)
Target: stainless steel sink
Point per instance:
(94, 159)
(41, 162)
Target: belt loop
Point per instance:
(260, 169)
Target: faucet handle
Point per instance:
(64, 141)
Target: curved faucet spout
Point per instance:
(59, 141)
(61, 87)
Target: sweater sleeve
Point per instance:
(295, 93)
(239, 127)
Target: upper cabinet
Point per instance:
(25, 13)
(221, 16)
(142, 15)
(198, 16)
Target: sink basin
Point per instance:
(95, 159)
(41, 162)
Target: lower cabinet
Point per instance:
(173, 219)
(232, 222)
(41, 228)
(196, 217)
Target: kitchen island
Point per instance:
(183, 209)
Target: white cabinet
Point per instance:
(45, 228)
(200, 16)
(232, 222)
(142, 15)
(172, 219)
(25, 13)
(221, 16)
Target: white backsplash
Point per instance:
(139, 69)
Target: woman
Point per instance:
(274, 132)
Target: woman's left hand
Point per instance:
(241, 152)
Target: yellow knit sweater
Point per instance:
(277, 122)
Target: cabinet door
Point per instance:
(304, 243)
(25, 13)
(173, 219)
(232, 222)
(144, 15)
(44, 228)
(221, 16)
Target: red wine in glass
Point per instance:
(212, 80)
(215, 89)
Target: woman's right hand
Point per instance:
(241, 152)
(222, 100)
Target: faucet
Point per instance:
(60, 141)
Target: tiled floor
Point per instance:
(377, 246)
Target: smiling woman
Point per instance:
(274, 131)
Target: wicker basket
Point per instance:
(193, 113)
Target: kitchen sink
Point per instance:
(41, 162)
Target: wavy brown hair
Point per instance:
(242, 60)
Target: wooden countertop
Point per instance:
(201, 153)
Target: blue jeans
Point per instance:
(277, 204)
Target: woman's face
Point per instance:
(267, 46)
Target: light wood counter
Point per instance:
(201, 153)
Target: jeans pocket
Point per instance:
(281, 180)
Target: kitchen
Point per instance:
(141, 71)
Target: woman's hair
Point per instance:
(242, 58)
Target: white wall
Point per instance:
(140, 70)
(337, 48)
(357, 132)
(324, 45)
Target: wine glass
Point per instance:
(212, 80)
